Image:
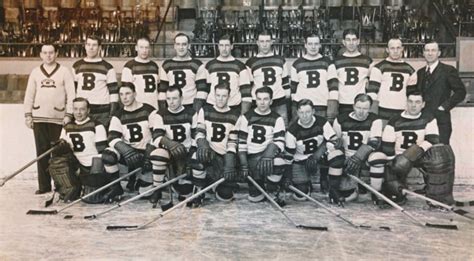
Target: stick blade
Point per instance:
(463, 213)
(90, 217)
(167, 206)
(442, 226)
(312, 227)
(117, 228)
(41, 212)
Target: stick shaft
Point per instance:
(427, 199)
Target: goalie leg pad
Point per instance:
(63, 174)
(438, 164)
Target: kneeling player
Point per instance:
(129, 134)
(307, 140)
(261, 139)
(361, 133)
(173, 136)
(216, 139)
(86, 139)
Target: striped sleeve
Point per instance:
(374, 82)
(290, 145)
(412, 83)
(243, 133)
(431, 136)
(279, 133)
(70, 91)
(245, 85)
(115, 131)
(333, 83)
(202, 86)
(194, 123)
(285, 79)
(337, 128)
(376, 129)
(294, 79)
(157, 126)
(162, 87)
(100, 138)
(112, 85)
(233, 140)
(388, 140)
(201, 125)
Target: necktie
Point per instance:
(427, 76)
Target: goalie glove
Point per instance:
(132, 157)
(61, 147)
(176, 149)
(403, 163)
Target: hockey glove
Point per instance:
(403, 163)
(265, 164)
(312, 161)
(204, 152)
(229, 166)
(62, 148)
(356, 161)
(133, 158)
(176, 149)
(244, 166)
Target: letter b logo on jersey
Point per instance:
(77, 142)
(355, 140)
(218, 132)
(258, 136)
(397, 82)
(352, 76)
(269, 76)
(135, 131)
(313, 79)
(310, 146)
(88, 81)
(150, 85)
(179, 133)
(179, 79)
(223, 78)
(409, 139)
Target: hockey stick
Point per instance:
(395, 205)
(56, 211)
(299, 192)
(282, 210)
(162, 214)
(120, 204)
(7, 178)
(457, 211)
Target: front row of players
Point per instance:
(217, 142)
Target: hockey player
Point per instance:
(314, 77)
(270, 70)
(390, 81)
(143, 73)
(96, 81)
(216, 139)
(261, 139)
(225, 68)
(405, 140)
(361, 133)
(173, 136)
(184, 72)
(307, 140)
(129, 134)
(87, 139)
(353, 70)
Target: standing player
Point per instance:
(361, 134)
(226, 69)
(143, 73)
(314, 77)
(48, 106)
(261, 139)
(96, 81)
(216, 139)
(129, 134)
(353, 70)
(307, 140)
(183, 72)
(390, 81)
(173, 136)
(268, 69)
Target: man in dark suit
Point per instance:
(442, 89)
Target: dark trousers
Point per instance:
(45, 133)
(445, 131)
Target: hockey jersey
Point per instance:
(353, 76)
(144, 75)
(178, 126)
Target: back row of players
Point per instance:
(229, 118)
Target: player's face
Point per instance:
(351, 42)
(305, 114)
(80, 110)
(264, 43)
(222, 96)
(174, 100)
(48, 54)
(143, 49)
(263, 101)
(415, 104)
(312, 45)
(361, 110)
(225, 48)
(92, 48)
(181, 46)
(395, 49)
(127, 96)
(431, 52)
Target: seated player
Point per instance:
(261, 140)
(361, 134)
(307, 140)
(129, 134)
(173, 136)
(216, 138)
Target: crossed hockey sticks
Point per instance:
(164, 213)
(282, 210)
(120, 204)
(301, 193)
(460, 212)
(395, 205)
(56, 211)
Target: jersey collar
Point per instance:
(408, 116)
(43, 70)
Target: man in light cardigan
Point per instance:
(48, 106)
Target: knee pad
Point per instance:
(109, 157)
(97, 166)
(377, 159)
(336, 159)
(183, 187)
(160, 157)
(224, 193)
